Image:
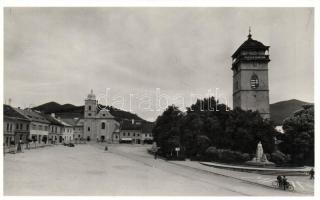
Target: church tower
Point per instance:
(250, 77)
(90, 109)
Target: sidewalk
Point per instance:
(302, 184)
(13, 149)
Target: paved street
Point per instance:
(123, 170)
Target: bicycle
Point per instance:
(289, 186)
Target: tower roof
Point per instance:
(91, 96)
(250, 44)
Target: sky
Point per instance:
(143, 59)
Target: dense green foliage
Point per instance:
(208, 124)
(298, 140)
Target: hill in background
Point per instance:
(279, 111)
(283, 109)
(72, 111)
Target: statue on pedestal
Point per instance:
(260, 159)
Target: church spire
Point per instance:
(249, 36)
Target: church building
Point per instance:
(99, 124)
(250, 77)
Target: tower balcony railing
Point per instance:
(258, 58)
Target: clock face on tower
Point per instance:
(254, 82)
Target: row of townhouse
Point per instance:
(27, 125)
(30, 125)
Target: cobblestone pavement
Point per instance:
(123, 170)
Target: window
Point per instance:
(89, 108)
(17, 126)
(27, 127)
(104, 115)
(21, 126)
(88, 128)
(134, 134)
(89, 114)
(8, 126)
(103, 125)
(128, 134)
(254, 82)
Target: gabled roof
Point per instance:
(10, 112)
(250, 44)
(64, 122)
(128, 125)
(52, 120)
(147, 127)
(32, 115)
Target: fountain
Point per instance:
(260, 159)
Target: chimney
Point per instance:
(53, 115)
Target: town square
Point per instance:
(158, 102)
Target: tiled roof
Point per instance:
(128, 125)
(52, 120)
(147, 127)
(32, 115)
(10, 112)
(74, 121)
(64, 122)
(250, 44)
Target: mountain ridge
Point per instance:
(281, 110)
(72, 111)
(278, 110)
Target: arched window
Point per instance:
(103, 125)
(254, 82)
(89, 107)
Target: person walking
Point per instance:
(311, 173)
(284, 182)
(155, 155)
(279, 179)
(19, 150)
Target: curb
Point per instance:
(247, 181)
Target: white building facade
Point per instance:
(99, 124)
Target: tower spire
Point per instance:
(249, 36)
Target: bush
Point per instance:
(226, 155)
(279, 158)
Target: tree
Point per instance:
(244, 129)
(207, 123)
(166, 130)
(298, 140)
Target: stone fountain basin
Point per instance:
(293, 171)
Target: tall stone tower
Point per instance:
(250, 77)
(90, 109)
